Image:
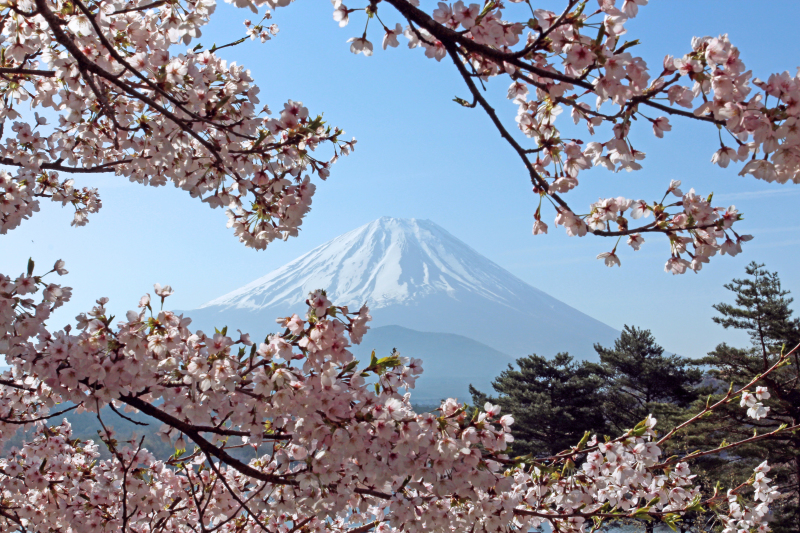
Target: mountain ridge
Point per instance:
(413, 273)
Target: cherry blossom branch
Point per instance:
(65, 41)
(154, 87)
(27, 72)
(233, 494)
(543, 34)
(364, 528)
(193, 433)
(7, 420)
(536, 179)
(602, 67)
(202, 443)
(729, 396)
(300, 524)
(14, 519)
(448, 36)
(131, 420)
(781, 430)
(141, 8)
(672, 111)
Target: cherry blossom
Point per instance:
(336, 446)
(135, 107)
(554, 61)
(336, 443)
(610, 258)
(390, 37)
(360, 45)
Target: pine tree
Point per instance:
(553, 401)
(762, 309)
(640, 379)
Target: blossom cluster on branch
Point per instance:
(338, 447)
(127, 104)
(576, 60)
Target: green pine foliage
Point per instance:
(761, 308)
(640, 379)
(553, 402)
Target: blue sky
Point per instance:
(420, 155)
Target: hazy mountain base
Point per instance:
(450, 362)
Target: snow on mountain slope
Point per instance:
(413, 273)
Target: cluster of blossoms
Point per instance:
(336, 444)
(576, 60)
(711, 227)
(755, 409)
(125, 103)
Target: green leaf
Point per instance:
(601, 32)
(694, 505)
(222, 102)
(628, 44)
(671, 520)
(640, 429)
(584, 440)
(642, 514)
(30, 266)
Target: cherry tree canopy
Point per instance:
(338, 447)
(576, 60)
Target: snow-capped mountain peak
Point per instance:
(387, 262)
(413, 273)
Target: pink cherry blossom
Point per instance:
(610, 258)
(539, 227)
(724, 156)
(360, 45)
(676, 265)
(335, 442)
(390, 36)
(660, 125)
(635, 241)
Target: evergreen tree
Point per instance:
(553, 402)
(640, 379)
(762, 309)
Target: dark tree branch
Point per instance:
(28, 72)
(23, 422)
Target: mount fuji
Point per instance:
(431, 296)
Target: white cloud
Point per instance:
(783, 191)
